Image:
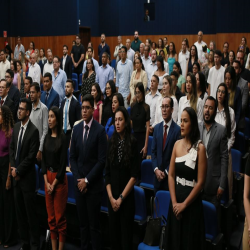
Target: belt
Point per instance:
(52, 170)
(185, 182)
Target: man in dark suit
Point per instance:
(70, 110)
(13, 93)
(214, 138)
(66, 62)
(23, 149)
(166, 134)
(87, 159)
(49, 97)
(5, 100)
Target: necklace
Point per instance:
(187, 147)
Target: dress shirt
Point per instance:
(39, 117)
(130, 54)
(152, 102)
(221, 119)
(3, 99)
(89, 125)
(48, 68)
(199, 48)
(183, 59)
(64, 61)
(35, 73)
(116, 52)
(19, 134)
(150, 69)
(96, 65)
(184, 102)
(48, 93)
(3, 67)
(123, 75)
(103, 75)
(146, 62)
(68, 125)
(59, 83)
(206, 135)
(17, 51)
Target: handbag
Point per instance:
(155, 232)
(47, 245)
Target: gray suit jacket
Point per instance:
(243, 85)
(217, 161)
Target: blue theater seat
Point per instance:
(74, 75)
(150, 139)
(140, 206)
(71, 191)
(147, 175)
(75, 80)
(80, 80)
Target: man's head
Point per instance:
(103, 38)
(209, 110)
(146, 51)
(56, 63)
(24, 109)
(9, 76)
(123, 53)
(184, 45)
(105, 57)
(78, 39)
(154, 83)
(65, 50)
(200, 35)
(90, 52)
(3, 88)
(33, 58)
(136, 35)
(87, 108)
(69, 88)
(174, 76)
(119, 39)
(19, 40)
(47, 81)
(128, 44)
(167, 108)
(49, 51)
(240, 57)
(50, 58)
(217, 57)
(153, 55)
(2, 56)
(237, 67)
(27, 83)
(142, 46)
(35, 92)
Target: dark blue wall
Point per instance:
(4, 17)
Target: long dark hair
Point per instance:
(87, 71)
(99, 92)
(194, 97)
(174, 50)
(177, 64)
(8, 122)
(231, 71)
(194, 135)
(139, 58)
(58, 116)
(202, 83)
(226, 109)
(160, 59)
(127, 152)
(113, 88)
(196, 53)
(140, 86)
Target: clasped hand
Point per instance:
(116, 204)
(82, 185)
(160, 175)
(13, 173)
(178, 208)
(50, 188)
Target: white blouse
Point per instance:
(221, 119)
(158, 114)
(184, 102)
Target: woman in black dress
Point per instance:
(107, 103)
(122, 167)
(140, 117)
(187, 174)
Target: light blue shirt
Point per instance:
(96, 65)
(123, 75)
(59, 84)
(103, 75)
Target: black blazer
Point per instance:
(74, 111)
(68, 66)
(14, 95)
(9, 103)
(29, 149)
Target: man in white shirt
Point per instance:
(216, 74)
(146, 59)
(90, 56)
(48, 66)
(183, 57)
(142, 46)
(34, 70)
(116, 52)
(130, 51)
(152, 67)
(199, 44)
(152, 98)
(4, 64)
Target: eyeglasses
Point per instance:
(22, 109)
(7, 77)
(221, 91)
(165, 107)
(87, 108)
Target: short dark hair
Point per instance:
(211, 98)
(175, 74)
(157, 78)
(104, 53)
(65, 46)
(237, 61)
(88, 98)
(48, 75)
(171, 100)
(9, 71)
(72, 82)
(77, 35)
(90, 48)
(4, 80)
(218, 52)
(28, 104)
(125, 48)
(57, 57)
(36, 85)
(30, 79)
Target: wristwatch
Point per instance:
(86, 180)
(121, 197)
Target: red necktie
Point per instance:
(2, 101)
(27, 96)
(164, 136)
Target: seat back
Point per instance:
(240, 143)
(80, 80)
(162, 202)
(247, 128)
(147, 174)
(75, 80)
(129, 110)
(71, 191)
(236, 160)
(74, 75)
(113, 63)
(150, 139)
(140, 204)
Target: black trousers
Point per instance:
(162, 185)
(8, 227)
(121, 224)
(88, 208)
(68, 136)
(26, 216)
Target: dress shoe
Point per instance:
(25, 247)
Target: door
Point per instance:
(85, 35)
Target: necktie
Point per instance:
(27, 96)
(2, 101)
(85, 138)
(46, 97)
(66, 116)
(164, 136)
(19, 147)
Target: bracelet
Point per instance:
(9, 175)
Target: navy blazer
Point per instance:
(89, 164)
(67, 67)
(161, 159)
(14, 95)
(74, 111)
(53, 99)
